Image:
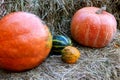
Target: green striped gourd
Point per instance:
(59, 42)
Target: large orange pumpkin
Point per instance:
(25, 41)
(93, 29)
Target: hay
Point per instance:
(94, 64)
(57, 13)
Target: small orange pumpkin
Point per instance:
(93, 29)
(25, 41)
(70, 55)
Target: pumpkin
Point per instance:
(25, 41)
(59, 42)
(70, 55)
(93, 27)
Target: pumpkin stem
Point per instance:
(101, 10)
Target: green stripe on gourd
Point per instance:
(59, 42)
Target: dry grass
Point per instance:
(94, 64)
(57, 13)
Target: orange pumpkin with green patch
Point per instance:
(25, 41)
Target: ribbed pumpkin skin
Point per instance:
(91, 29)
(25, 41)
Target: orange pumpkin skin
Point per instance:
(70, 54)
(91, 29)
(25, 41)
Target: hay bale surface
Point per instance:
(94, 64)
